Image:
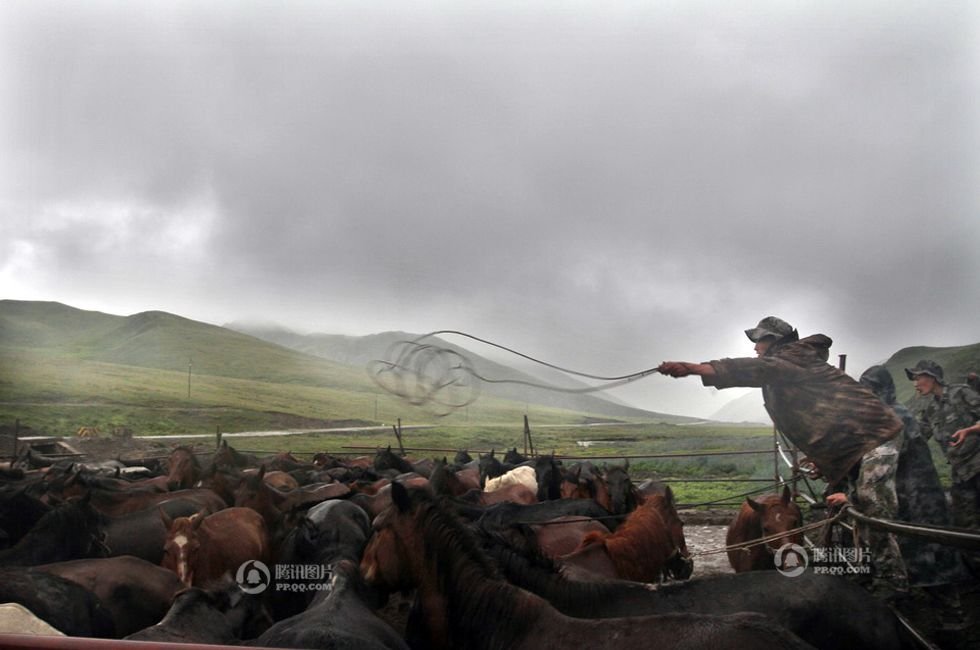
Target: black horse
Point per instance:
(70, 608)
(221, 614)
(69, 532)
(819, 609)
(341, 614)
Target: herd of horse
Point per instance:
(495, 552)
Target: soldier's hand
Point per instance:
(836, 499)
(674, 368)
(808, 467)
(958, 437)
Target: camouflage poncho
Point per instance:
(832, 418)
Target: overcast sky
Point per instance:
(606, 185)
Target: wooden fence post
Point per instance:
(527, 437)
(398, 435)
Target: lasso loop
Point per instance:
(441, 379)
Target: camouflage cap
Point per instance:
(925, 367)
(770, 326)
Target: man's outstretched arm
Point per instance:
(684, 368)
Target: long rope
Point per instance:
(444, 379)
(762, 540)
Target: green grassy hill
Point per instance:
(359, 351)
(62, 368)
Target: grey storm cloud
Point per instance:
(612, 184)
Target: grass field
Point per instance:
(158, 374)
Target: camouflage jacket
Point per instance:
(832, 418)
(957, 408)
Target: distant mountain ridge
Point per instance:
(163, 341)
(359, 351)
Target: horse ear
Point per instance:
(669, 496)
(399, 496)
(491, 453)
(755, 505)
(261, 473)
(627, 465)
(786, 495)
(197, 519)
(166, 519)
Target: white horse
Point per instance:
(523, 475)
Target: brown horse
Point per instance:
(183, 470)
(647, 546)
(564, 535)
(275, 478)
(200, 549)
(136, 593)
(770, 514)
(464, 602)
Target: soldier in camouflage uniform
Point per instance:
(921, 498)
(832, 418)
(935, 568)
(952, 417)
(873, 489)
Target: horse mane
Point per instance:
(387, 459)
(629, 547)
(477, 596)
(442, 480)
(522, 563)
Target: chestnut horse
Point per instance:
(649, 545)
(464, 602)
(770, 514)
(200, 549)
(183, 469)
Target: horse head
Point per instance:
(621, 491)
(679, 565)
(548, 472)
(779, 516)
(182, 545)
(184, 469)
(490, 467)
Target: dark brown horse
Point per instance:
(818, 608)
(770, 514)
(135, 592)
(183, 469)
(221, 614)
(648, 546)
(622, 494)
(463, 601)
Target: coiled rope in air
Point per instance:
(444, 379)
